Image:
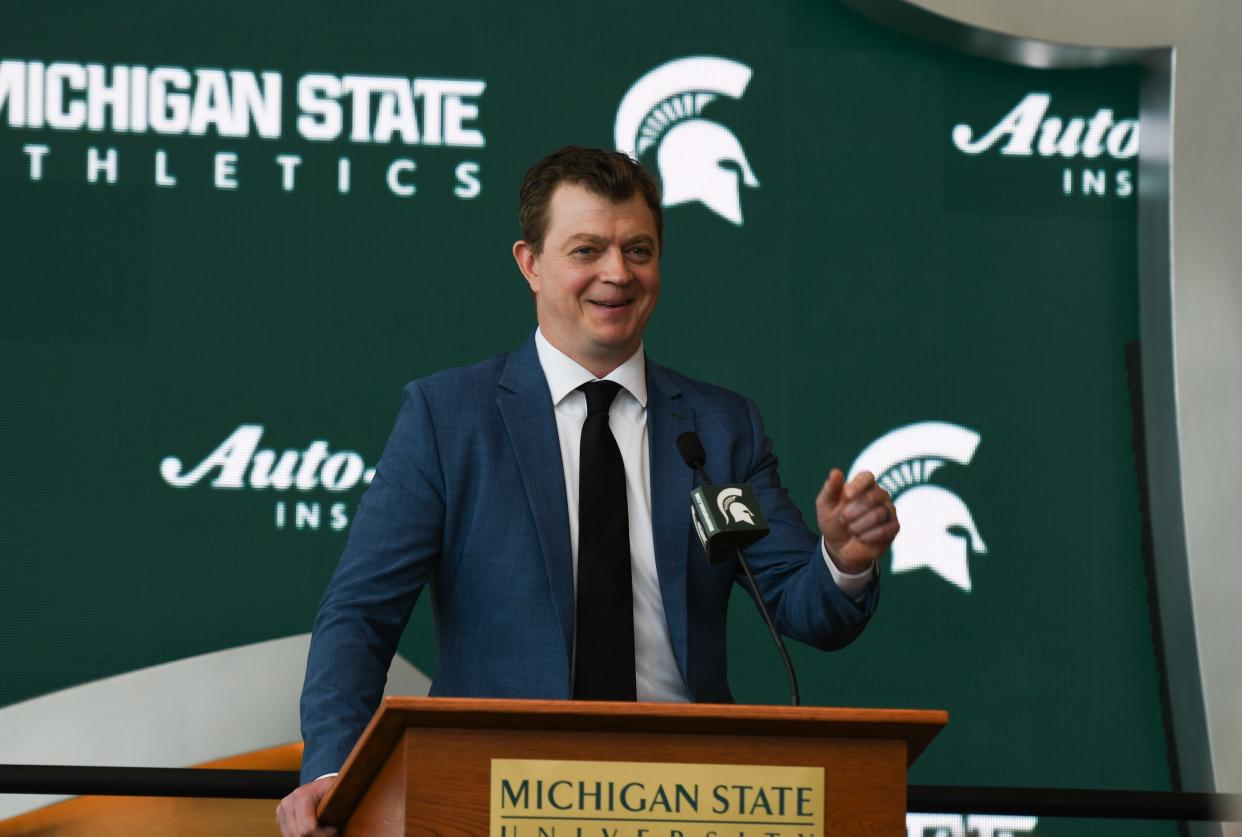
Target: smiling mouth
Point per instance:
(620, 304)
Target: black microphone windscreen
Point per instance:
(691, 449)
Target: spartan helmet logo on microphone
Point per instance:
(937, 529)
(699, 160)
(732, 509)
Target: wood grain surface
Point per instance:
(445, 747)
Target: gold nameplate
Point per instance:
(538, 798)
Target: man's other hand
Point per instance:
(858, 520)
(296, 812)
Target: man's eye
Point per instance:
(641, 252)
(582, 251)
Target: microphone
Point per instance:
(692, 453)
(727, 518)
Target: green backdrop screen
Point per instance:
(231, 234)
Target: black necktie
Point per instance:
(604, 649)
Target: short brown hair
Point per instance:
(609, 174)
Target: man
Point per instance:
(492, 487)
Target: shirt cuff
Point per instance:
(854, 585)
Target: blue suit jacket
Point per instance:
(469, 496)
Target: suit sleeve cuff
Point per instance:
(854, 585)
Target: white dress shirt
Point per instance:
(655, 667)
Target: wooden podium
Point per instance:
(424, 765)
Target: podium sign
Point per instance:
(531, 796)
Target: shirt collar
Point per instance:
(565, 374)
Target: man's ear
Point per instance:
(527, 262)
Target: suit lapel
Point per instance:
(526, 407)
(667, 418)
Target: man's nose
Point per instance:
(614, 267)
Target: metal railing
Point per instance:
(77, 780)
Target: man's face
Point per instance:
(597, 279)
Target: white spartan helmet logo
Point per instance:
(937, 530)
(664, 108)
(732, 508)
